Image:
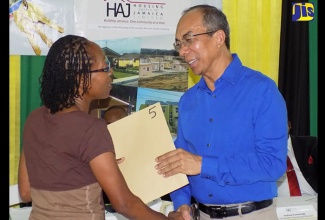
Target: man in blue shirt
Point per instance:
(232, 127)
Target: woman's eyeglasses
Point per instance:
(107, 69)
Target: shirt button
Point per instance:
(210, 195)
(211, 119)
(214, 96)
(208, 145)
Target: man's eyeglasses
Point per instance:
(107, 69)
(187, 40)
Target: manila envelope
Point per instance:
(140, 138)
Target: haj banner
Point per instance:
(100, 20)
(35, 24)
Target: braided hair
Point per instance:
(67, 65)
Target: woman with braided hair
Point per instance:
(68, 155)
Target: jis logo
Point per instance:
(302, 11)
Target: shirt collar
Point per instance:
(230, 74)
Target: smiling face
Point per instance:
(100, 80)
(203, 51)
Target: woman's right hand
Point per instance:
(183, 212)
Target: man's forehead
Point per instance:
(188, 30)
(190, 22)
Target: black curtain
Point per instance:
(293, 80)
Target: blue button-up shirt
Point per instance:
(241, 132)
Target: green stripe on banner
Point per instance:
(31, 69)
(313, 72)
